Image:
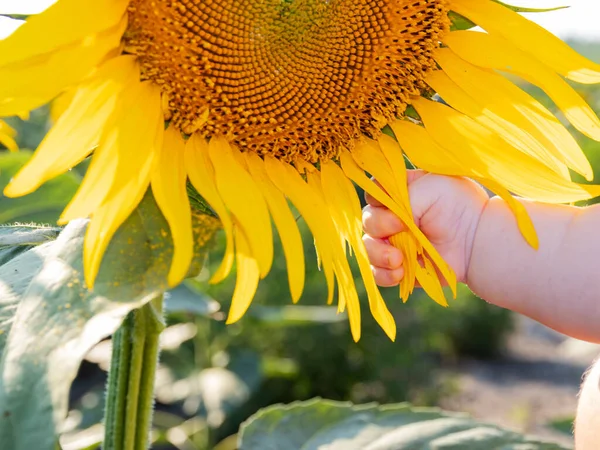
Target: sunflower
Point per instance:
(7, 136)
(263, 103)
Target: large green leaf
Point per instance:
(15, 240)
(42, 206)
(51, 319)
(320, 424)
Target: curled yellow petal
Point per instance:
(248, 274)
(202, 176)
(168, 183)
(523, 220)
(407, 244)
(429, 281)
(345, 209)
(244, 199)
(356, 174)
(310, 202)
(285, 223)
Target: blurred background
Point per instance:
(470, 357)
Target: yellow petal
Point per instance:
(63, 23)
(345, 209)
(404, 241)
(311, 204)
(343, 297)
(248, 274)
(529, 37)
(20, 86)
(346, 288)
(168, 183)
(491, 157)
(308, 203)
(137, 140)
(78, 130)
(7, 137)
(505, 99)
(313, 179)
(354, 172)
(285, 222)
(370, 158)
(61, 103)
(429, 281)
(427, 154)
(495, 52)
(349, 296)
(202, 176)
(407, 244)
(490, 117)
(244, 199)
(393, 153)
(523, 220)
(96, 184)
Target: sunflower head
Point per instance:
(262, 103)
(293, 79)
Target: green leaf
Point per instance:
(52, 319)
(42, 206)
(187, 298)
(521, 9)
(458, 22)
(16, 239)
(318, 424)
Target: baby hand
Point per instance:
(446, 209)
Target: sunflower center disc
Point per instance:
(290, 78)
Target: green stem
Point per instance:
(130, 390)
(154, 326)
(117, 384)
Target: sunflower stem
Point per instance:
(130, 390)
(154, 326)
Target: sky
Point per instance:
(580, 21)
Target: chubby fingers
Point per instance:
(379, 222)
(387, 277)
(382, 254)
(411, 176)
(386, 261)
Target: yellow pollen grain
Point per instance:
(289, 78)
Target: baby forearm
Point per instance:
(558, 284)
